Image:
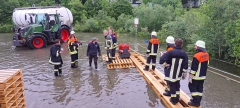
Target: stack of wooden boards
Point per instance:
(11, 89)
(118, 62)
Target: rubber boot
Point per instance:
(56, 73)
(60, 71)
(193, 104)
(73, 65)
(146, 68)
(95, 65)
(167, 94)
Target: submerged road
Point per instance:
(86, 87)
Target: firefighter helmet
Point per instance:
(170, 40)
(154, 33)
(72, 32)
(200, 43)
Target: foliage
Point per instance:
(92, 7)
(78, 11)
(153, 17)
(119, 7)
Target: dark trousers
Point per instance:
(113, 52)
(165, 71)
(149, 59)
(109, 55)
(196, 89)
(57, 69)
(74, 60)
(174, 90)
(95, 60)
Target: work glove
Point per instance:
(190, 78)
(161, 54)
(184, 75)
(105, 47)
(165, 65)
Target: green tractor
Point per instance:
(45, 29)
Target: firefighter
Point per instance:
(73, 45)
(55, 58)
(198, 73)
(152, 51)
(114, 40)
(170, 45)
(108, 45)
(178, 65)
(93, 51)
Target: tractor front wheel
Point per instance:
(37, 41)
(63, 34)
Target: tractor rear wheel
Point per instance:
(63, 34)
(37, 41)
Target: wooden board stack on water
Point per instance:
(12, 89)
(118, 62)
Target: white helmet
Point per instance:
(170, 40)
(200, 43)
(72, 32)
(154, 33)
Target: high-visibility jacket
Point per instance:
(178, 63)
(109, 42)
(199, 66)
(73, 47)
(153, 46)
(55, 56)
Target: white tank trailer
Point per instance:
(19, 14)
(36, 27)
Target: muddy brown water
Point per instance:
(85, 87)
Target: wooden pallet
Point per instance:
(11, 89)
(118, 62)
(156, 80)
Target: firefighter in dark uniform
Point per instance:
(152, 51)
(178, 65)
(198, 73)
(73, 45)
(55, 57)
(93, 51)
(114, 40)
(170, 45)
(108, 45)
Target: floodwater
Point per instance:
(85, 87)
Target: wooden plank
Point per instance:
(153, 78)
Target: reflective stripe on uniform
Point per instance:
(153, 64)
(55, 70)
(147, 64)
(197, 74)
(194, 93)
(54, 63)
(178, 92)
(179, 66)
(193, 72)
(172, 68)
(172, 80)
(57, 54)
(173, 95)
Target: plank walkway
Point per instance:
(155, 80)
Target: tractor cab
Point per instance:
(48, 21)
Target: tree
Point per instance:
(92, 7)
(119, 7)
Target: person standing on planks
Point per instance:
(152, 51)
(178, 65)
(170, 45)
(198, 73)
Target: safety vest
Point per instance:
(109, 42)
(199, 66)
(153, 46)
(73, 47)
